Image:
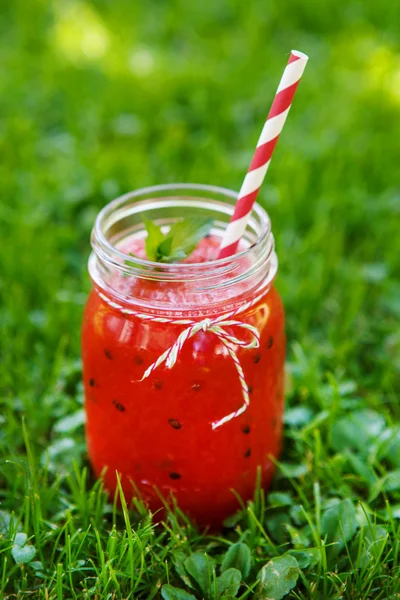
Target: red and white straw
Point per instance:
(263, 153)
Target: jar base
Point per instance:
(205, 509)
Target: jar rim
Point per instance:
(207, 285)
(100, 239)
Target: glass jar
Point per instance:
(183, 363)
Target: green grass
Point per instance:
(103, 97)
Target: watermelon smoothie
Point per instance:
(157, 433)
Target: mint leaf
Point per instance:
(130, 263)
(164, 249)
(179, 242)
(175, 245)
(186, 234)
(153, 240)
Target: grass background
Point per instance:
(100, 97)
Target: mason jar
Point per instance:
(183, 363)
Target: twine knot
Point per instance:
(206, 324)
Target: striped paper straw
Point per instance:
(262, 156)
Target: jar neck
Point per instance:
(178, 287)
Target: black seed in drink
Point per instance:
(196, 387)
(250, 388)
(92, 382)
(108, 354)
(270, 342)
(118, 405)
(138, 360)
(246, 429)
(257, 358)
(174, 423)
(158, 385)
(175, 475)
(247, 453)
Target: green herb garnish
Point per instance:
(131, 263)
(179, 242)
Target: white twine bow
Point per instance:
(217, 327)
(169, 357)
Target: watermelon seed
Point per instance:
(118, 405)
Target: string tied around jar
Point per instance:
(248, 337)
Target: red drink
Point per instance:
(158, 432)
